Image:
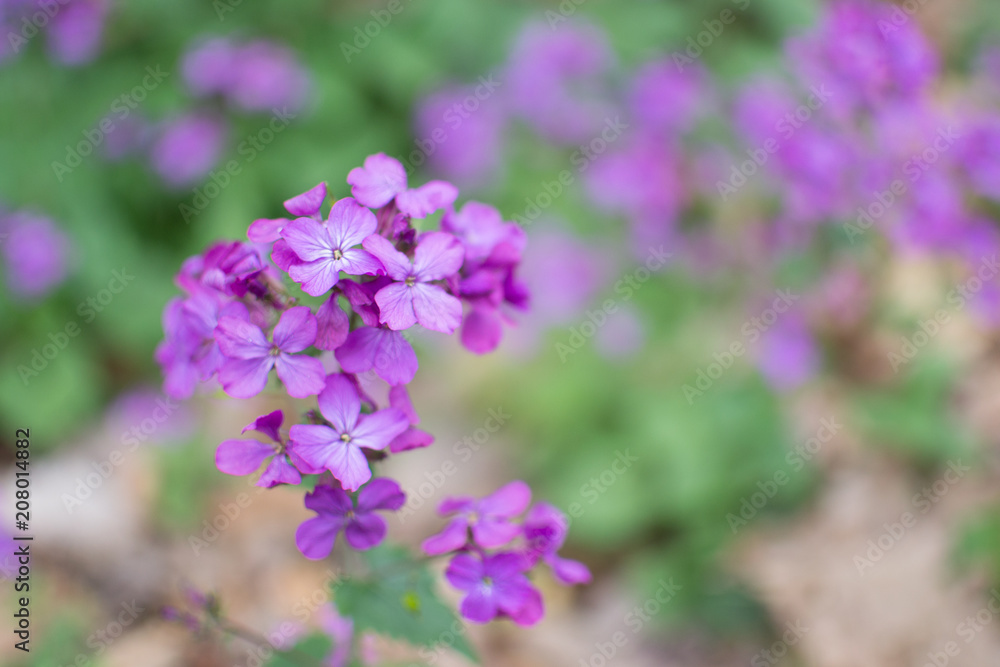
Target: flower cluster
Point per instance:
(492, 553)
(861, 138)
(365, 275)
(73, 28)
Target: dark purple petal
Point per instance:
(302, 376)
(325, 499)
(438, 255)
(245, 378)
(315, 537)
(308, 203)
(381, 179)
(349, 223)
(387, 351)
(397, 265)
(376, 431)
(433, 308)
(479, 606)
(365, 531)
(380, 494)
(296, 330)
(428, 198)
(339, 403)
(241, 457)
(267, 424)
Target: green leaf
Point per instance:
(397, 599)
(316, 646)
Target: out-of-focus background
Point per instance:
(769, 405)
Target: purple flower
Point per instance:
(305, 205)
(411, 299)
(383, 349)
(326, 250)
(664, 97)
(335, 512)
(487, 518)
(267, 76)
(495, 585)
(187, 148)
(383, 179)
(242, 457)
(337, 447)
(207, 67)
(250, 356)
(545, 530)
(35, 254)
(74, 33)
(788, 356)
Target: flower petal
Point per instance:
(241, 457)
(491, 533)
(433, 308)
(245, 378)
(266, 230)
(333, 325)
(395, 304)
(411, 438)
(381, 179)
(267, 424)
(349, 223)
(479, 606)
(325, 499)
(296, 330)
(339, 403)
(239, 339)
(350, 466)
(279, 471)
(482, 330)
(381, 494)
(438, 256)
(428, 198)
(315, 537)
(318, 277)
(302, 376)
(358, 262)
(507, 501)
(365, 531)
(313, 443)
(376, 431)
(308, 203)
(397, 265)
(465, 572)
(569, 572)
(387, 351)
(452, 538)
(308, 239)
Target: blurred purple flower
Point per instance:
(788, 354)
(495, 585)
(188, 147)
(488, 519)
(35, 253)
(74, 32)
(336, 512)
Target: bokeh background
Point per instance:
(821, 498)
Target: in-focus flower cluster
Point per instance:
(370, 275)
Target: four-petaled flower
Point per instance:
(411, 299)
(487, 518)
(337, 447)
(335, 512)
(495, 585)
(242, 457)
(326, 250)
(250, 356)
